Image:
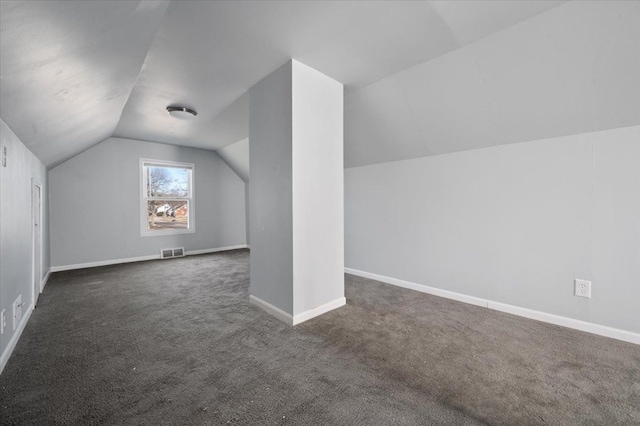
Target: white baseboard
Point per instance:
(299, 318)
(272, 310)
(14, 339)
(419, 287)
(589, 327)
(137, 259)
(45, 280)
(103, 263)
(312, 313)
(601, 330)
(215, 250)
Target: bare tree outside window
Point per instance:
(168, 196)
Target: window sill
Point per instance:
(161, 233)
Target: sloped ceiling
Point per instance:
(236, 156)
(574, 69)
(419, 75)
(472, 20)
(67, 69)
(207, 54)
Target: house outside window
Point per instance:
(166, 197)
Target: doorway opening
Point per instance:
(36, 216)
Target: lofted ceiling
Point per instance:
(572, 70)
(67, 69)
(75, 73)
(236, 156)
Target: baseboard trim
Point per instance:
(103, 263)
(601, 330)
(419, 287)
(299, 318)
(589, 327)
(322, 309)
(215, 250)
(45, 280)
(14, 339)
(271, 310)
(137, 259)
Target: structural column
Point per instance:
(296, 193)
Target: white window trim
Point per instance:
(144, 218)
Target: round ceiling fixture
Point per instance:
(181, 113)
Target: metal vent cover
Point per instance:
(171, 253)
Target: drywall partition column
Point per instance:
(271, 198)
(318, 191)
(296, 206)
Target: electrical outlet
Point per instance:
(582, 288)
(3, 320)
(17, 311)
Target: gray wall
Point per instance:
(296, 189)
(236, 156)
(247, 207)
(513, 224)
(15, 226)
(95, 203)
(271, 220)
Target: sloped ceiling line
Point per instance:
(135, 83)
(75, 73)
(570, 70)
(67, 69)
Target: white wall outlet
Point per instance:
(3, 320)
(582, 288)
(17, 311)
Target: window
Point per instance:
(167, 197)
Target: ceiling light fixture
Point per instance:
(181, 113)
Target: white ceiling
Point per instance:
(472, 20)
(236, 156)
(67, 68)
(572, 70)
(207, 54)
(75, 73)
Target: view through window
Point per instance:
(167, 196)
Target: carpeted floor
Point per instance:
(176, 342)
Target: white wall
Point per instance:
(95, 203)
(318, 189)
(513, 224)
(16, 242)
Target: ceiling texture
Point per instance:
(421, 77)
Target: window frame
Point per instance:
(144, 198)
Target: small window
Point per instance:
(167, 197)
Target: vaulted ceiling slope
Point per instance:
(574, 69)
(74, 73)
(208, 54)
(67, 69)
(236, 156)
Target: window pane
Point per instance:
(167, 215)
(167, 181)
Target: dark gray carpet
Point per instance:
(176, 342)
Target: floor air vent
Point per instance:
(171, 253)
